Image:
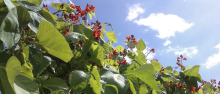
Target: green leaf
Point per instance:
(38, 68)
(49, 16)
(61, 26)
(90, 16)
(191, 81)
(103, 27)
(13, 68)
(57, 46)
(26, 70)
(1, 46)
(112, 76)
(119, 48)
(96, 52)
(188, 66)
(143, 89)
(193, 71)
(141, 45)
(54, 84)
(9, 4)
(132, 87)
(141, 57)
(146, 73)
(207, 87)
(24, 85)
(65, 6)
(96, 75)
(94, 85)
(93, 13)
(157, 65)
(36, 2)
(111, 36)
(111, 89)
(106, 47)
(7, 88)
(78, 80)
(28, 5)
(25, 51)
(73, 36)
(13, 24)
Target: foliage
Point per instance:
(64, 54)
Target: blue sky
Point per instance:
(171, 27)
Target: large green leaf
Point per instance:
(49, 16)
(146, 73)
(96, 52)
(132, 87)
(111, 36)
(141, 45)
(7, 88)
(103, 27)
(35, 21)
(111, 89)
(207, 87)
(24, 85)
(119, 48)
(193, 71)
(9, 4)
(96, 75)
(141, 57)
(13, 68)
(157, 65)
(36, 2)
(95, 86)
(111, 76)
(28, 5)
(73, 36)
(54, 84)
(57, 46)
(13, 24)
(26, 70)
(143, 89)
(78, 80)
(191, 81)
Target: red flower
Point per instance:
(211, 80)
(88, 9)
(92, 7)
(135, 42)
(72, 6)
(97, 34)
(111, 56)
(214, 80)
(114, 52)
(184, 59)
(181, 56)
(79, 43)
(169, 84)
(152, 50)
(157, 60)
(78, 8)
(132, 36)
(178, 57)
(128, 38)
(67, 76)
(82, 13)
(65, 32)
(93, 64)
(139, 88)
(199, 87)
(123, 62)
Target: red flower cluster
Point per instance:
(152, 50)
(65, 32)
(45, 6)
(79, 43)
(96, 27)
(123, 62)
(89, 8)
(155, 60)
(192, 88)
(133, 39)
(181, 57)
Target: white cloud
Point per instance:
(166, 25)
(134, 11)
(213, 59)
(189, 52)
(119, 34)
(167, 42)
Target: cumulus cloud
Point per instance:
(189, 52)
(134, 11)
(213, 59)
(166, 25)
(167, 42)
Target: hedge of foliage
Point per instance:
(61, 53)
